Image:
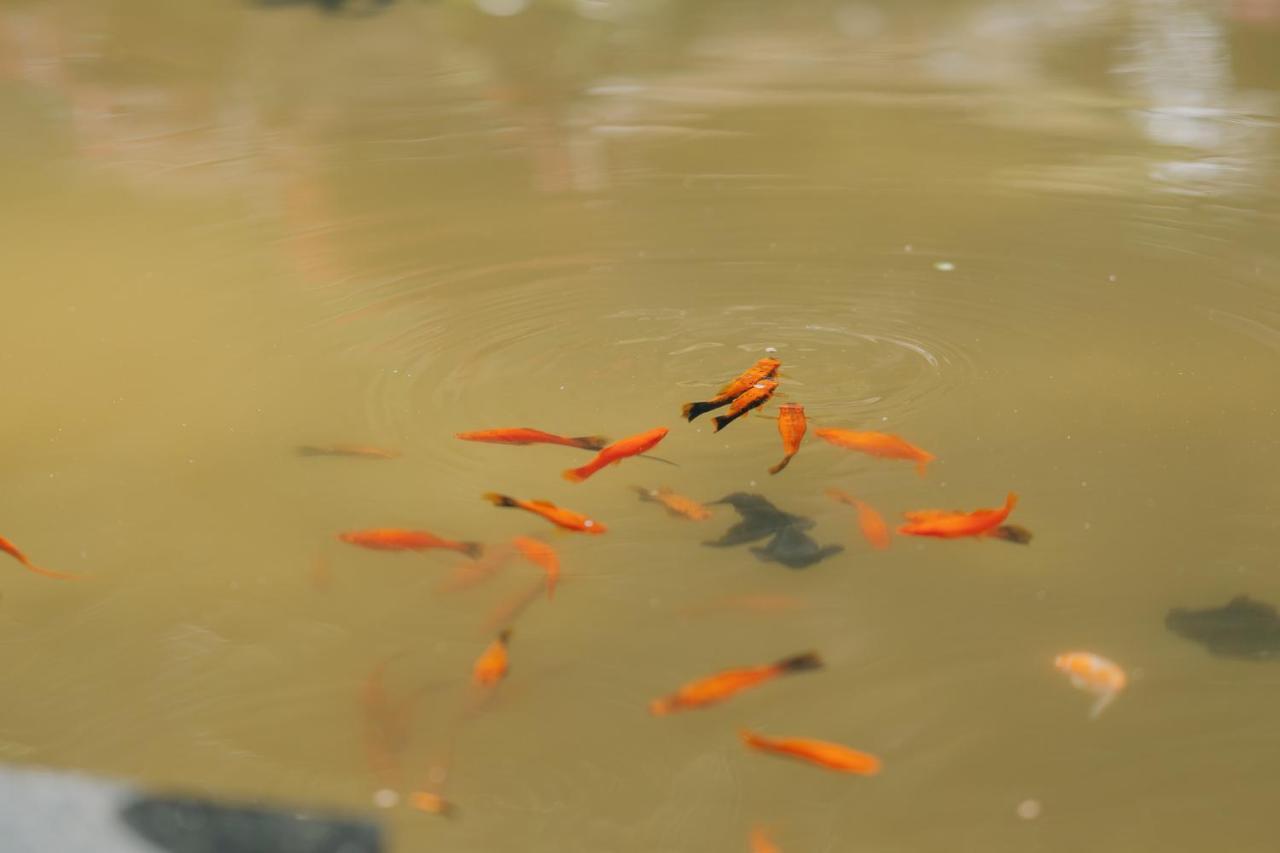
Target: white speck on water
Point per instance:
(752, 484)
(1111, 277)
(770, 349)
(944, 266)
(907, 248)
(1029, 809)
(1084, 483)
(385, 798)
(1088, 525)
(561, 387)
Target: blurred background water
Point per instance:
(1038, 239)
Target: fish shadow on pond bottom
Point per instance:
(1241, 628)
(760, 519)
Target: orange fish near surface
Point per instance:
(952, 524)
(877, 444)
(525, 435)
(1094, 673)
(757, 395)
(12, 550)
(765, 368)
(871, 522)
(355, 450)
(833, 756)
(616, 452)
(675, 504)
(491, 667)
(558, 516)
(719, 687)
(542, 555)
(395, 539)
(791, 426)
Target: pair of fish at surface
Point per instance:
(750, 390)
(760, 519)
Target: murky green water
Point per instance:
(1038, 239)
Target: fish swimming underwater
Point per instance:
(395, 539)
(526, 435)
(1014, 533)
(491, 667)
(613, 454)
(719, 687)
(874, 530)
(677, 505)
(541, 555)
(12, 550)
(832, 756)
(765, 368)
(953, 524)
(880, 444)
(559, 516)
(1094, 674)
(791, 426)
(760, 519)
(1242, 628)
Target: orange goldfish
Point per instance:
(356, 450)
(558, 516)
(755, 396)
(830, 755)
(491, 666)
(426, 801)
(877, 444)
(542, 555)
(761, 842)
(675, 504)
(616, 452)
(394, 539)
(765, 368)
(953, 524)
(525, 435)
(719, 687)
(791, 426)
(12, 550)
(1093, 673)
(870, 521)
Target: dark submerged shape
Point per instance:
(1242, 628)
(790, 545)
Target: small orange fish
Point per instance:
(761, 842)
(558, 516)
(765, 368)
(791, 426)
(869, 521)
(719, 687)
(755, 396)
(395, 539)
(833, 756)
(946, 524)
(425, 801)
(1094, 673)
(616, 452)
(1014, 533)
(877, 444)
(491, 667)
(355, 450)
(676, 504)
(12, 550)
(542, 555)
(525, 435)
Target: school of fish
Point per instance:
(386, 716)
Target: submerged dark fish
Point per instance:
(1242, 628)
(795, 549)
(760, 519)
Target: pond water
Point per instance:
(1038, 239)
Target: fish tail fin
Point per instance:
(499, 500)
(693, 410)
(660, 707)
(590, 442)
(645, 494)
(577, 475)
(800, 663)
(722, 421)
(473, 549)
(922, 464)
(786, 460)
(504, 636)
